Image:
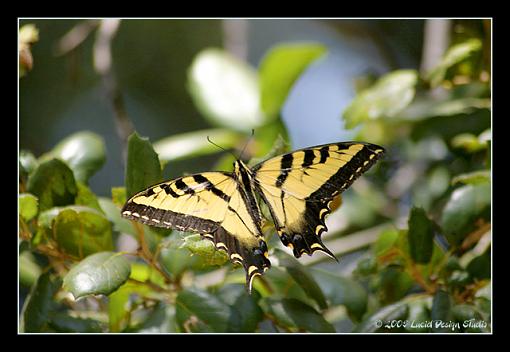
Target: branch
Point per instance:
(103, 65)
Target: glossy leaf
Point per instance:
(205, 249)
(419, 315)
(84, 152)
(302, 277)
(175, 261)
(245, 312)
(454, 55)
(161, 319)
(120, 304)
(39, 303)
(63, 322)
(279, 70)
(225, 90)
(28, 206)
(469, 142)
(81, 231)
(342, 291)
(385, 242)
(378, 320)
(441, 311)
(29, 270)
(385, 99)
(192, 144)
(298, 315)
(53, 184)
(465, 205)
(473, 178)
(100, 273)
(480, 266)
(86, 197)
(112, 213)
(143, 168)
(200, 311)
(27, 162)
(420, 236)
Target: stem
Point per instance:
(103, 65)
(146, 254)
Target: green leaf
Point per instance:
(100, 273)
(454, 55)
(280, 69)
(386, 241)
(245, 313)
(160, 320)
(419, 315)
(39, 303)
(143, 168)
(112, 213)
(385, 99)
(192, 144)
(175, 261)
(84, 152)
(29, 270)
(420, 236)
(200, 311)
(469, 142)
(205, 249)
(380, 318)
(472, 178)
(53, 184)
(27, 206)
(63, 322)
(81, 231)
(120, 307)
(426, 105)
(441, 311)
(342, 291)
(480, 266)
(86, 197)
(394, 284)
(27, 162)
(465, 205)
(295, 314)
(119, 196)
(225, 90)
(302, 277)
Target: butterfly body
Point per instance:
(298, 188)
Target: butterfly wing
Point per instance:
(299, 188)
(209, 203)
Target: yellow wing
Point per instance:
(299, 187)
(210, 204)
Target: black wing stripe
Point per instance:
(324, 154)
(308, 159)
(180, 184)
(286, 163)
(169, 190)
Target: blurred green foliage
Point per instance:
(419, 223)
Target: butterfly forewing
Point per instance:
(299, 188)
(209, 204)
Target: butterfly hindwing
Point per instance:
(299, 188)
(211, 204)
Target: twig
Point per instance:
(435, 42)
(146, 254)
(103, 65)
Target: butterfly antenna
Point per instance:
(228, 151)
(247, 142)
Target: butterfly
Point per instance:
(298, 189)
